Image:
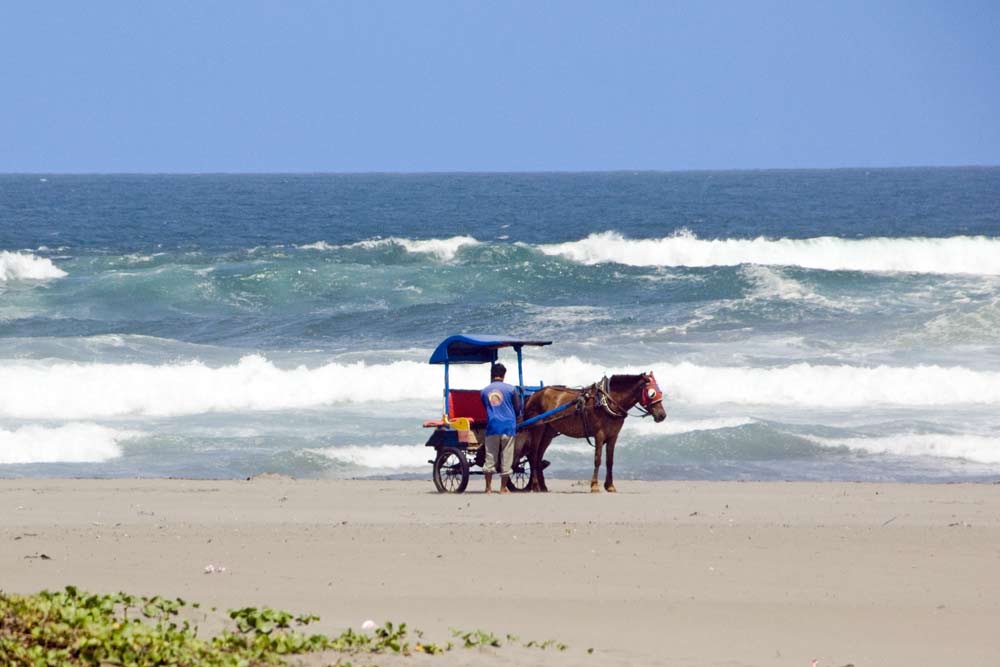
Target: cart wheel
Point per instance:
(451, 470)
(520, 476)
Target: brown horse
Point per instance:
(599, 413)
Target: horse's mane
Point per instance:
(615, 383)
(623, 382)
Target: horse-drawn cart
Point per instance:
(460, 434)
(596, 411)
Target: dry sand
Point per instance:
(669, 573)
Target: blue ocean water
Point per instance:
(839, 324)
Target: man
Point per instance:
(503, 405)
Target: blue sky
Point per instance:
(502, 86)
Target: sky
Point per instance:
(328, 86)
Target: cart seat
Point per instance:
(466, 403)
(463, 403)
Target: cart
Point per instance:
(459, 435)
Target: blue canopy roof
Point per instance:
(462, 349)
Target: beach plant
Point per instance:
(74, 628)
(71, 627)
(479, 638)
(476, 638)
(548, 643)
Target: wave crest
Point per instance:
(443, 249)
(832, 386)
(72, 443)
(977, 448)
(25, 266)
(70, 391)
(977, 255)
(37, 390)
(383, 457)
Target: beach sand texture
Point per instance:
(664, 573)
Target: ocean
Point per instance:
(804, 324)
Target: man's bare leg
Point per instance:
(503, 484)
(489, 482)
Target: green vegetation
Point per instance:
(74, 628)
(477, 638)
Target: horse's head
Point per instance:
(651, 397)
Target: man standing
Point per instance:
(503, 405)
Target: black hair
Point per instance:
(498, 370)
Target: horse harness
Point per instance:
(600, 392)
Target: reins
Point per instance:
(643, 412)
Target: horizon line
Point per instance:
(471, 172)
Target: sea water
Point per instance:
(809, 325)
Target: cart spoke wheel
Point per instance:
(451, 470)
(520, 476)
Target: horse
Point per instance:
(600, 412)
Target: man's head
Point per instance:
(498, 371)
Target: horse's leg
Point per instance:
(598, 444)
(543, 444)
(535, 436)
(609, 482)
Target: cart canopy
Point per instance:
(466, 349)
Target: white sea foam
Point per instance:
(980, 324)
(649, 428)
(564, 446)
(645, 428)
(770, 283)
(318, 245)
(977, 448)
(79, 391)
(958, 254)
(25, 266)
(138, 258)
(444, 249)
(567, 315)
(839, 386)
(61, 390)
(71, 443)
(382, 457)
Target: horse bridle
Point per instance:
(650, 396)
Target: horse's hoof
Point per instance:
(611, 488)
(594, 488)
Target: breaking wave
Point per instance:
(958, 254)
(382, 457)
(977, 448)
(648, 428)
(839, 386)
(443, 249)
(25, 266)
(72, 391)
(71, 443)
(76, 391)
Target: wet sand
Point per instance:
(671, 573)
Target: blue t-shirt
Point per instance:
(503, 404)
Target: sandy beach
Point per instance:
(672, 573)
